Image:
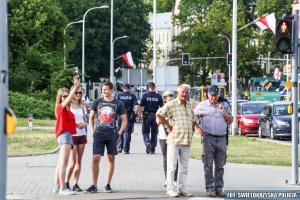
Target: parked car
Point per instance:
(274, 121)
(248, 115)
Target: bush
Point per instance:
(22, 105)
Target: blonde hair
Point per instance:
(80, 100)
(60, 91)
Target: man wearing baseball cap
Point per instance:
(150, 102)
(213, 116)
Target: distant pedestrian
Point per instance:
(163, 136)
(86, 103)
(79, 140)
(105, 133)
(181, 126)
(65, 128)
(150, 102)
(129, 100)
(213, 117)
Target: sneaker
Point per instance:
(220, 193)
(91, 189)
(107, 189)
(148, 148)
(55, 190)
(77, 188)
(126, 152)
(66, 192)
(184, 193)
(172, 193)
(119, 150)
(67, 185)
(152, 152)
(211, 193)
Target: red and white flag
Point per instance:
(128, 58)
(266, 22)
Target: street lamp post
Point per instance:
(229, 66)
(64, 41)
(83, 34)
(111, 73)
(112, 58)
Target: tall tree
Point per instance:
(35, 43)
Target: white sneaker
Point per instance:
(184, 193)
(66, 192)
(172, 193)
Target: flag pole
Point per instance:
(250, 23)
(117, 57)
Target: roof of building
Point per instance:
(163, 20)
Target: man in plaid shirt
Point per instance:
(181, 126)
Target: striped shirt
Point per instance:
(181, 119)
(211, 119)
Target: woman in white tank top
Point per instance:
(79, 141)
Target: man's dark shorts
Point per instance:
(79, 140)
(105, 140)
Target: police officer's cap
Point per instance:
(213, 90)
(126, 85)
(150, 84)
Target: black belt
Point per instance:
(216, 135)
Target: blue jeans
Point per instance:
(149, 122)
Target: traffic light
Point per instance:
(229, 58)
(284, 36)
(185, 58)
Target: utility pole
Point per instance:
(3, 94)
(234, 67)
(295, 127)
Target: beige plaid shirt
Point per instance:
(181, 118)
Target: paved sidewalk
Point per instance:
(137, 176)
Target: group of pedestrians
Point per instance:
(71, 136)
(111, 121)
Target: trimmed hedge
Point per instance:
(22, 105)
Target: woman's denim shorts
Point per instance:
(65, 138)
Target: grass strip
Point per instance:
(25, 142)
(250, 150)
(36, 122)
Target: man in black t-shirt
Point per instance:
(105, 133)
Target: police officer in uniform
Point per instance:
(129, 100)
(150, 102)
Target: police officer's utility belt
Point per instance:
(146, 113)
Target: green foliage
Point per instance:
(22, 105)
(163, 5)
(35, 43)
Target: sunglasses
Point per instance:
(78, 93)
(65, 96)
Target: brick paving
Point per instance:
(137, 176)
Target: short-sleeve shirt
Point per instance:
(65, 121)
(151, 101)
(181, 118)
(129, 100)
(211, 119)
(107, 114)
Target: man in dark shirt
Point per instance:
(150, 101)
(105, 133)
(129, 100)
